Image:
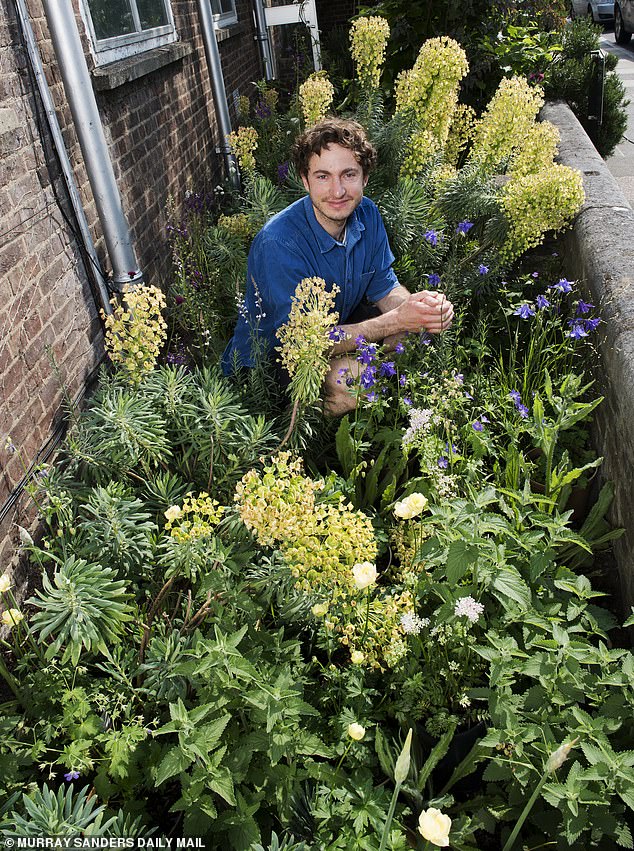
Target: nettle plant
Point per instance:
(271, 630)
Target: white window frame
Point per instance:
(109, 50)
(226, 19)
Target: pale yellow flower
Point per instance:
(365, 574)
(243, 142)
(411, 506)
(12, 617)
(5, 583)
(316, 95)
(357, 657)
(558, 757)
(173, 512)
(356, 731)
(320, 609)
(434, 826)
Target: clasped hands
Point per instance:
(425, 311)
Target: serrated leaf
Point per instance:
(509, 583)
(460, 557)
(222, 784)
(172, 763)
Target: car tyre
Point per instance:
(621, 35)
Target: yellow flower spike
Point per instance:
(368, 39)
(316, 95)
(243, 142)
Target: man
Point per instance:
(336, 234)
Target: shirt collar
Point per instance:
(324, 240)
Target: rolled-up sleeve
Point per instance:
(383, 279)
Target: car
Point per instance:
(623, 21)
(601, 13)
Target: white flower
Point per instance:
(12, 617)
(412, 624)
(558, 757)
(364, 574)
(25, 538)
(469, 608)
(5, 583)
(419, 419)
(173, 512)
(434, 826)
(411, 506)
(356, 731)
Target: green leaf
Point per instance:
(438, 752)
(172, 763)
(510, 584)
(460, 557)
(222, 784)
(628, 796)
(345, 447)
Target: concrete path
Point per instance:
(621, 163)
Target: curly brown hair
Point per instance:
(334, 131)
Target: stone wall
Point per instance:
(599, 254)
(162, 134)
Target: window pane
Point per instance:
(111, 18)
(152, 13)
(222, 7)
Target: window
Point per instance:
(123, 28)
(224, 12)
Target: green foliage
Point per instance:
(571, 79)
(61, 814)
(82, 607)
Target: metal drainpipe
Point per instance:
(58, 141)
(79, 92)
(218, 88)
(263, 39)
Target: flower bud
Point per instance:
(401, 769)
(558, 757)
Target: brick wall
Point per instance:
(162, 134)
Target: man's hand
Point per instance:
(425, 311)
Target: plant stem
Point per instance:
(390, 816)
(508, 845)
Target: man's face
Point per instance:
(335, 184)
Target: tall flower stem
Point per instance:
(390, 816)
(510, 842)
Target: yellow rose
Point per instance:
(173, 512)
(12, 617)
(434, 826)
(411, 506)
(5, 583)
(356, 731)
(364, 574)
(357, 657)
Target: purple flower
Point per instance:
(432, 237)
(336, 334)
(592, 324)
(368, 377)
(71, 775)
(179, 299)
(177, 358)
(477, 426)
(523, 410)
(482, 269)
(468, 396)
(262, 110)
(360, 340)
(399, 348)
(387, 369)
(484, 419)
(534, 274)
(583, 307)
(402, 380)
(433, 280)
(424, 339)
(563, 286)
(371, 397)
(443, 463)
(282, 172)
(542, 302)
(367, 353)
(407, 401)
(577, 329)
(525, 311)
(459, 378)
(464, 227)
(515, 396)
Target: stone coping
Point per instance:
(599, 251)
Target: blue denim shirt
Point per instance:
(292, 246)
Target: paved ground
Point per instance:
(621, 163)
